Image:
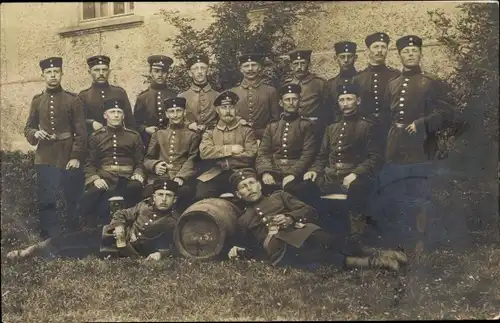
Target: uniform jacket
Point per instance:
(287, 147)
(114, 147)
(176, 145)
(350, 141)
(258, 104)
(200, 105)
(280, 202)
(216, 146)
(373, 82)
(420, 97)
(149, 110)
(93, 98)
(331, 105)
(311, 96)
(57, 112)
(150, 230)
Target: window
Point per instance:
(96, 10)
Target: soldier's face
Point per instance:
(410, 56)
(164, 199)
(346, 60)
(159, 75)
(99, 73)
(114, 117)
(377, 52)
(52, 76)
(198, 73)
(249, 190)
(250, 70)
(176, 115)
(227, 113)
(290, 102)
(348, 103)
(300, 67)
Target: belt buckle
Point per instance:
(284, 161)
(376, 114)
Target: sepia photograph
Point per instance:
(249, 161)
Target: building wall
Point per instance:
(30, 32)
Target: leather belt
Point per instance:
(285, 161)
(311, 118)
(118, 168)
(400, 125)
(344, 165)
(61, 136)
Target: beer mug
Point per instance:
(120, 237)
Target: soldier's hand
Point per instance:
(96, 125)
(201, 128)
(411, 129)
(268, 179)
(154, 256)
(42, 135)
(258, 142)
(151, 130)
(237, 149)
(160, 168)
(179, 181)
(73, 164)
(233, 253)
(101, 184)
(137, 177)
(283, 221)
(310, 176)
(349, 179)
(193, 126)
(287, 180)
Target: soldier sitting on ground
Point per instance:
(283, 227)
(144, 230)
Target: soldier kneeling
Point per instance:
(283, 227)
(144, 230)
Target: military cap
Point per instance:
(383, 37)
(252, 57)
(348, 89)
(97, 60)
(345, 47)
(300, 54)
(174, 103)
(241, 174)
(290, 88)
(226, 98)
(165, 184)
(51, 62)
(112, 104)
(410, 40)
(197, 59)
(160, 61)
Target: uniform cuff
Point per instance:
(92, 179)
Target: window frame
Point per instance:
(128, 12)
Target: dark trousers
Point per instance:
(214, 187)
(50, 180)
(95, 205)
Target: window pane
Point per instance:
(88, 10)
(131, 6)
(104, 9)
(118, 8)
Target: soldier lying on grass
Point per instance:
(283, 227)
(144, 230)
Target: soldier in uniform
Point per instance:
(114, 165)
(200, 96)
(283, 227)
(419, 106)
(311, 98)
(287, 149)
(147, 232)
(56, 125)
(100, 90)
(258, 103)
(373, 79)
(349, 159)
(230, 145)
(345, 55)
(148, 113)
(172, 152)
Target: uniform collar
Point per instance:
(176, 126)
(114, 129)
(223, 126)
(289, 116)
(158, 87)
(305, 79)
(413, 71)
(205, 89)
(351, 117)
(54, 90)
(349, 73)
(100, 85)
(377, 68)
(246, 84)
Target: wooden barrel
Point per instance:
(203, 229)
